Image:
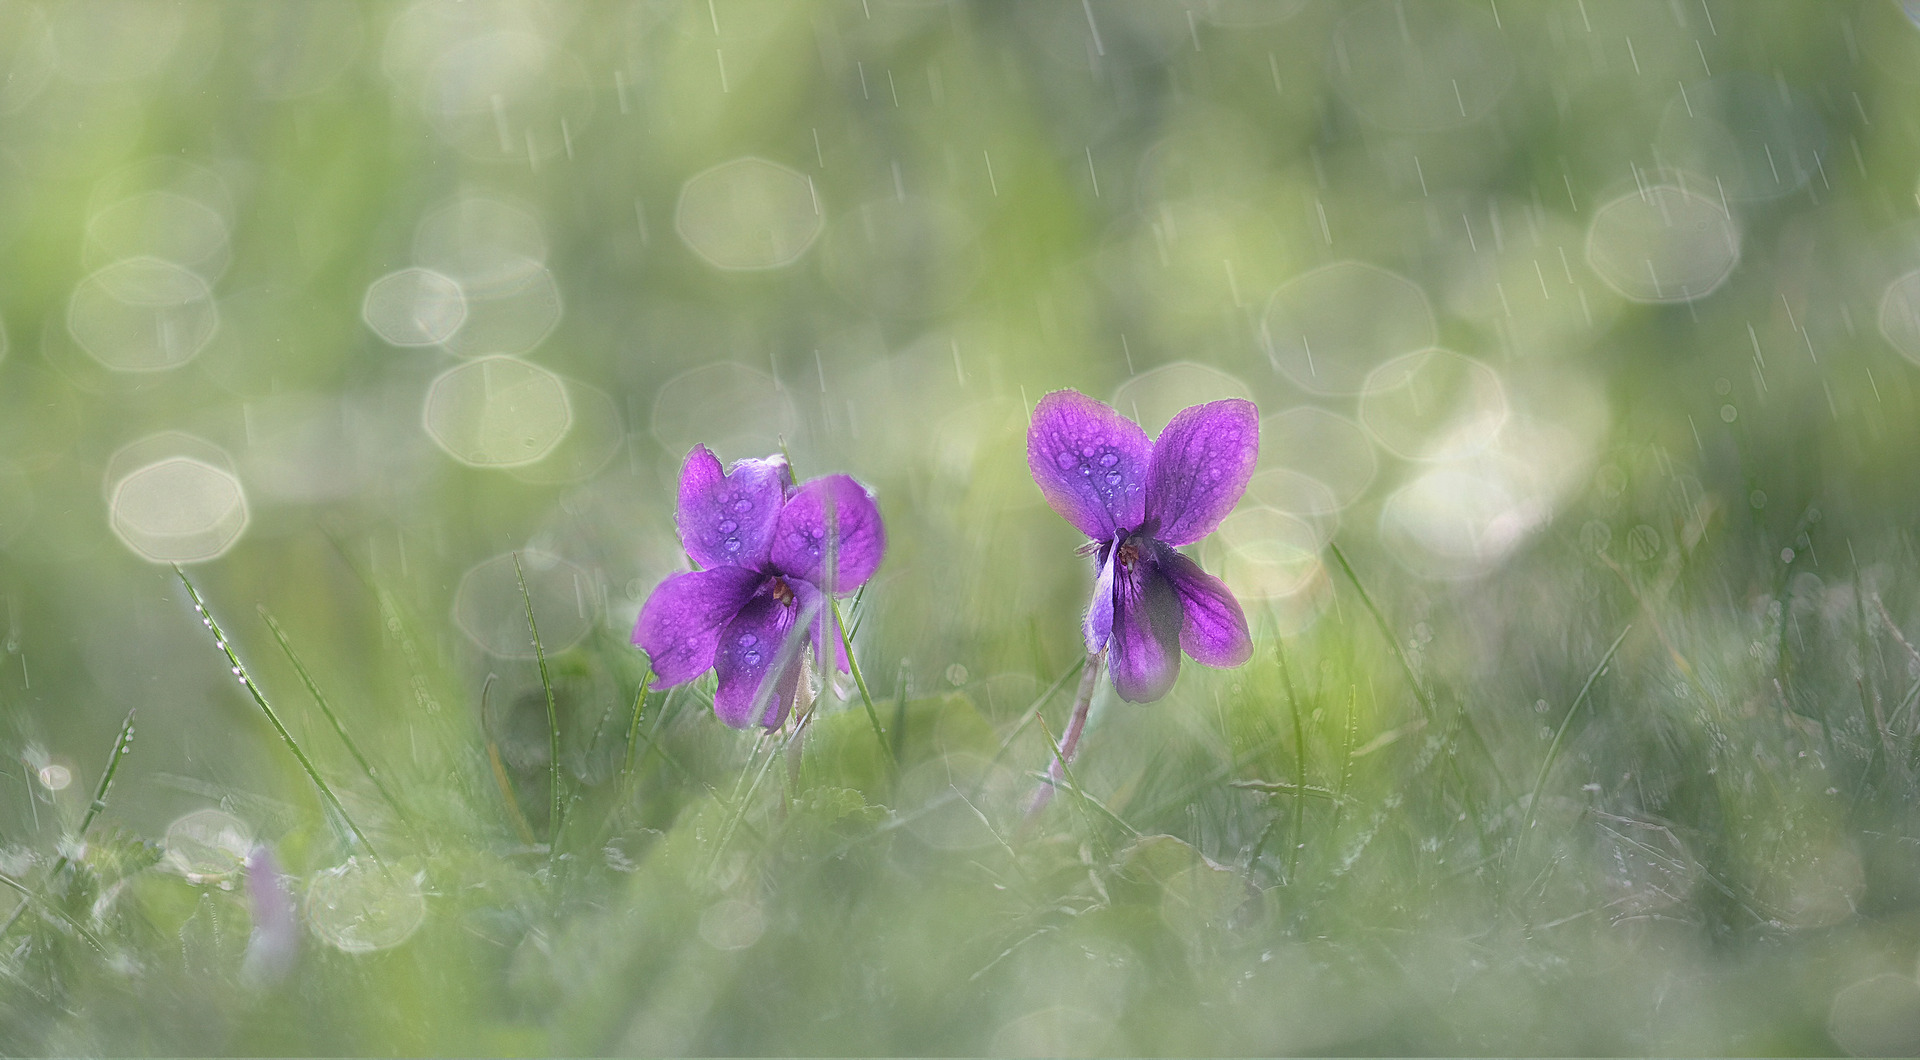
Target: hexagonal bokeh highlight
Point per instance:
(1326, 329)
(1663, 244)
(1900, 315)
(207, 846)
(160, 224)
(748, 214)
(1433, 405)
(360, 906)
(1155, 396)
(497, 412)
(414, 307)
(142, 315)
(483, 244)
(1327, 447)
(511, 316)
(178, 510)
(732, 408)
(489, 608)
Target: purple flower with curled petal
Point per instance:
(1140, 501)
(771, 555)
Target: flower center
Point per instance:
(1129, 554)
(782, 592)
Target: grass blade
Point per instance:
(1553, 749)
(122, 743)
(1081, 798)
(633, 727)
(246, 679)
(557, 809)
(866, 698)
(1420, 692)
(313, 689)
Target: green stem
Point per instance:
(122, 743)
(1420, 693)
(1080, 795)
(556, 809)
(1076, 723)
(633, 727)
(1299, 761)
(1553, 749)
(313, 689)
(866, 698)
(246, 679)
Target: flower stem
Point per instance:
(1070, 740)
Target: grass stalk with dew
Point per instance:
(122, 743)
(253, 689)
(339, 729)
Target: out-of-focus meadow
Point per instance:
(1583, 715)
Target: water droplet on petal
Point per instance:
(1113, 478)
(748, 640)
(732, 544)
(752, 658)
(728, 526)
(1065, 460)
(1109, 459)
(743, 505)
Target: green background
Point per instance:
(956, 208)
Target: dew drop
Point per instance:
(748, 640)
(1113, 478)
(732, 544)
(1065, 460)
(1109, 459)
(743, 505)
(728, 526)
(752, 657)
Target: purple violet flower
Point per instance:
(1139, 501)
(771, 555)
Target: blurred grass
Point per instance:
(1405, 836)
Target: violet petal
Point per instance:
(1090, 462)
(1145, 653)
(758, 663)
(1201, 464)
(1098, 627)
(832, 515)
(1213, 628)
(727, 519)
(680, 623)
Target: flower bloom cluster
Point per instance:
(771, 556)
(1139, 501)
